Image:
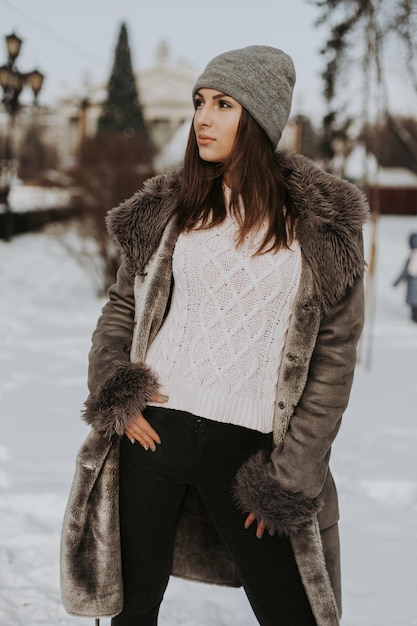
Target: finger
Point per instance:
(147, 437)
(249, 520)
(144, 441)
(150, 433)
(260, 529)
(140, 426)
(130, 435)
(148, 442)
(140, 429)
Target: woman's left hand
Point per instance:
(261, 526)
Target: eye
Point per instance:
(223, 104)
(198, 102)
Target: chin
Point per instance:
(210, 158)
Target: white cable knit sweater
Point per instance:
(218, 352)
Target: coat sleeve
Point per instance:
(119, 389)
(284, 489)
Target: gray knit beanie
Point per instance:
(260, 78)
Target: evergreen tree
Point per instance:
(112, 165)
(122, 111)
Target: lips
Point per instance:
(204, 140)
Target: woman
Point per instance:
(220, 369)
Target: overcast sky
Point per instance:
(73, 41)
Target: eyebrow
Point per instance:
(216, 97)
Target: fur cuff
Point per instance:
(256, 491)
(124, 394)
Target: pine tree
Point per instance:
(122, 111)
(112, 165)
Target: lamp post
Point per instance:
(12, 82)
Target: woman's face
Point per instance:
(216, 121)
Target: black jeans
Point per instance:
(207, 455)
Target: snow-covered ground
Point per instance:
(24, 198)
(47, 313)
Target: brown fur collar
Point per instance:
(332, 213)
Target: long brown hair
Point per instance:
(254, 175)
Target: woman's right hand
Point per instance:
(140, 430)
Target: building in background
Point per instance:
(165, 93)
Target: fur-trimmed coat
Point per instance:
(292, 489)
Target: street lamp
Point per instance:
(12, 82)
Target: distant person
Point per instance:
(409, 276)
(220, 369)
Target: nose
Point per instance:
(203, 116)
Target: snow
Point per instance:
(354, 166)
(24, 197)
(47, 313)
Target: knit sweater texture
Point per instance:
(218, 352)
